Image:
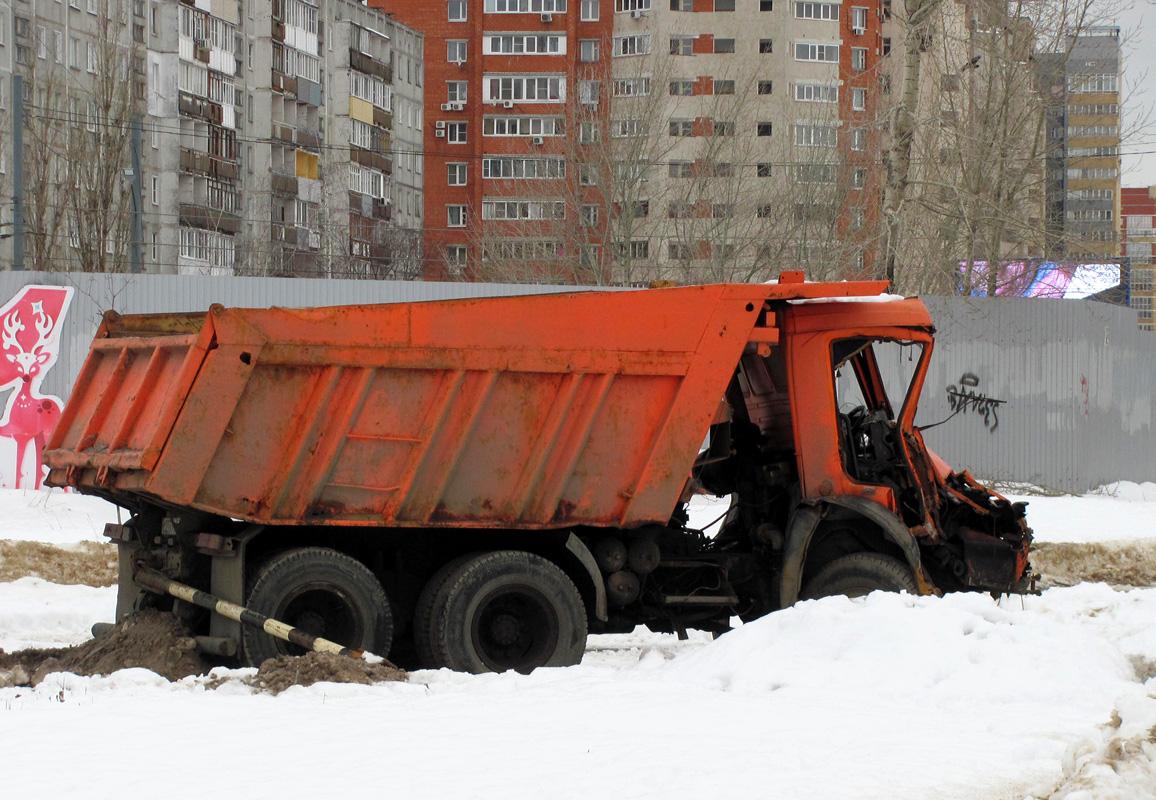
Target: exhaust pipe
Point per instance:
(156, 582)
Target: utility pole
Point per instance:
(137, 204)
(17, 172)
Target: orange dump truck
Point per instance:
(477, 484)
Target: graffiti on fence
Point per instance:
(966, 397)
(30, 325)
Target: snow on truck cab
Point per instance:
(478, 484)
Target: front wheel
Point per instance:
(322, 592)
(507, 610)
(860, 574)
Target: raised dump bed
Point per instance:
(531, 412)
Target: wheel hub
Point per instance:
(505, 630)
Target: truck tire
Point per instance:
(323, 592)
(508, 610)
(860, 574)
(432, 596)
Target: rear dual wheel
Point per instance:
(322, 592)
(499, 611)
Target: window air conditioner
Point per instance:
(538, 140)
(458, 106)
(547, 17)
(636, 13)
(858, 31)
(447, 106)
(440, 133)
(508, 104)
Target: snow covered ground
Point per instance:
(884, 697)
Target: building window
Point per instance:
(817, 92)
(456, 132)
(764, 129)
(589, 92)
(719, 128)
(681, 127)
(764, 210)
(628, 128)
(456, 255)
(456, 51)
(507, 167)
(632, 87)
(631, 45)
(724, 45)
(824, 11)
(629, 6)
(858, 99)
(724, 5)
(519, 43)
(808, 51)
(682, 87)
(155, 190)
(587, 132)
(682, 5)
(540, 89)
(858, 139)
(763, 170)
(522, 126)
(457, 10)
(456, 173)
(766, 5)
(588, 50)
(682, 45)
(681, 169)
(812, 135)
(523, 209)
(589, 216)
(858, 19)
(858, 58)
(525, 6)
(815, 173)
(724, 87)
(766, 46)
(678, 252)
(456, 216)
(456, 91)
(589, 11)
(858, 177)
(765, 87)
(857, 217)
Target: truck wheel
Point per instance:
(508, 610)
(859, 574)
(323, 592)
(431, 597)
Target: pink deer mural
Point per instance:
(30, 326)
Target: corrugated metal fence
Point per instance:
(1061, 390)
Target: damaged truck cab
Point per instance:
(479, 484)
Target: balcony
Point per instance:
(284, 184)
(284, 133)
(196, 215)
(284, 83)
(308, 138)
(369, 65)
(382, 209)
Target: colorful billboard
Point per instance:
(1039, 278)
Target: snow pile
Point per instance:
(53, 516)
(36, 613)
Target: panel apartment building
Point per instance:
(1083, 165)
(1138, 211)
(268, 135)
(642, 140)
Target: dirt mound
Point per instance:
(87, 563)
(150, 639)
(1130, 563)
(275, 675)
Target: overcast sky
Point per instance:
(1138, 26)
